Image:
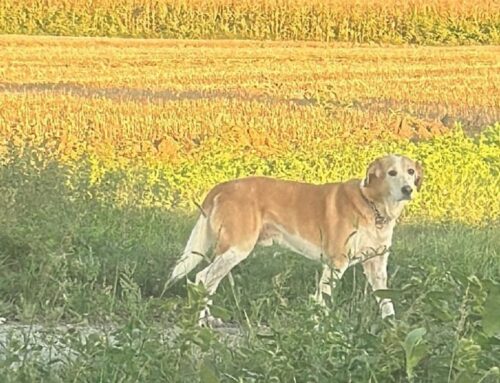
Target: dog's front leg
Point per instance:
(376, 272)
(328, 280)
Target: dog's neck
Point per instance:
(383, 212)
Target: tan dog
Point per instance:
(340, 224)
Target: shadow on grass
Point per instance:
(67, 251)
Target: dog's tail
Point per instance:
(197, 246)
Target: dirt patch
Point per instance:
(433, 116)
(62, 343)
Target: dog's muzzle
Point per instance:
(406, 191)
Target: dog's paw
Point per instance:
(317, 299)
(210, 322)
(387, 310)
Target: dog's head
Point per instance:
(394, 178)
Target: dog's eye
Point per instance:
(392, 173)
(411, 172)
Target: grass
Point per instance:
(393, 21)
(68, 258)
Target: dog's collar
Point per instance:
(380, 220)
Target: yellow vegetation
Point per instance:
(394, 21)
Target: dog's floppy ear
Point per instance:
(420, 175)
(374, 171)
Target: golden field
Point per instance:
(175, 117)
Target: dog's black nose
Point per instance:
(406, 190)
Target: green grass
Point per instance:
(67, 256)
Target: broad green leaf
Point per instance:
(388, 293)
(220, 312)
(414, 349)
(491, 313)
(413, 338)
(207, 374)
(419, 351)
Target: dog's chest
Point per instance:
(368, 241)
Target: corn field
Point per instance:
(392, 21)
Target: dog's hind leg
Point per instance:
(213, 274)
(237, 227)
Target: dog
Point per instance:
(339, 224)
